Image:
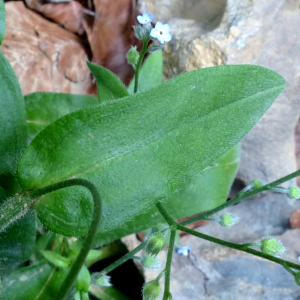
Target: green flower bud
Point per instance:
(227, 220)
(256, 183)
(150, 262)
(104, 280)
(83, 279)
(272, 247)
(151, 290)
(294, 192)
(142, 32)
(155, 244)
(132, 56)
(297, 278)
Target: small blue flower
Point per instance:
(161, 32)
(184, 250)
(145, 18)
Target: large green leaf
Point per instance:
(2, 21)
(108, 84)
(44, 108)
(13, 138)
(151, 73)
(143, 148)
(36, 282)
(203, 192)
(17, 242)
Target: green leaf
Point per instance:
(13, 138)
(144, 148)
(2, 20)
(44, 108)
(150, 73)
(107, 293)
(36, 282)
(56, 259)
(203, 192)
(83, 279)
(108, 84)
(17, 242)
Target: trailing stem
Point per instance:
(240, 197)
(87, 244)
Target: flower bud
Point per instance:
(142, 32)
(155, 244)
(104, 280)
(256, 183)
(272, 247)
(83, 279)
(227, 220)
(151, 290)
(132, 56)
(294, 192)
(150, 262)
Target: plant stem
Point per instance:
(240, 197)
(137, 68)
(124, 258)
(238, 247)
(168, 264)
(76, 266)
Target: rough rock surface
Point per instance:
(37, 48)
(251, 32)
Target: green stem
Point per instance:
(161, 274)
(165, 214)
(289, 269)
(168, 264)
(137, 68)
(124, 258)
(240, 247)
(279, 190)
(76, 266)
(241, 196)
(251, 245)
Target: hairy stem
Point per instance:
(240, 247)
(87, 244)
(241, 197)
(124, 258)
(137, 68)
(168, 264)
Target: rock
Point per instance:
(38, 48)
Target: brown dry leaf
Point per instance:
(44, 56)
(70, 15)
(111, 35)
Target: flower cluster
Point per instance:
(161, 31)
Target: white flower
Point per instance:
(145, 18)
(161, 32)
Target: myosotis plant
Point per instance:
(154, 151)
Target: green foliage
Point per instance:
(2, 20)
(13, 138)
(108, 84)
(38, 281)
(150, 73)
(146, 147)
(83, 280)
(17, 243)
(107, 293)
(44, 108)
(56, 259)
